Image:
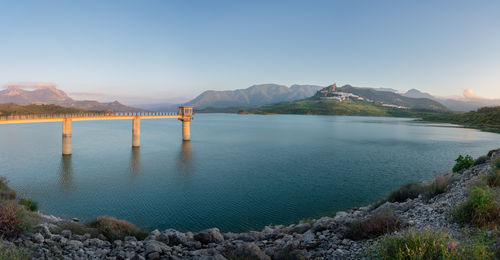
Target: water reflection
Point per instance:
(135, 161)
(185, 158)
(65, 172)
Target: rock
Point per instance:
(249, 251)
(340, 216)
(74, 244)
(300, 228)
(211, 235)
(37, 238)
(245, 237)
(155, 246)
(130, 238)
(66, 233)
(44, 230)
(154, 255)
(175, 237)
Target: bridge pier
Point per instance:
(66, 136)
(186, 130)
(136, 132)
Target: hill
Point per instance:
(255, 95)
(51, 95)
(392, 98)
(486, 118)
(13, 109)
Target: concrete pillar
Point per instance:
(66, 137)
(186, 132)
(136, 132)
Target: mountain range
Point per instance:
(52, 95)
(255, 95)
(455, 104)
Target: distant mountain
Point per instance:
(52, 95)
(415, 93)
(255, 95)
(458, 105)
(392, 98)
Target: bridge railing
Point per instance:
(103, 114)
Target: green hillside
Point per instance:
(332, 107)
(13, 109)
(486, 118)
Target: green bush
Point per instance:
(430, 245)
(378, 224)
(29, 204)
(480, 209)
(114, 229)
(463, 163)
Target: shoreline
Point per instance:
(323, 238)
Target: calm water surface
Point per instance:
(239, 172)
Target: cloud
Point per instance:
(32, 85)
(469, 94)
(87, 94)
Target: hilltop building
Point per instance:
(331, 93)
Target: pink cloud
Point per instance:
(469, 94)
(31, 85)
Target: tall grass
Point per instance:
(412, 190)
(431, 245)
(13, 253)
(378, 224)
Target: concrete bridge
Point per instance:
(185, 115)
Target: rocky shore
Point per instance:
(323, 238)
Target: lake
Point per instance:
(239, 172)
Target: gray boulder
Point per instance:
(211, 235)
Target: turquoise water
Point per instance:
(239, 172)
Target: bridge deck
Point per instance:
(85, 117)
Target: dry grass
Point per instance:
(378, 224)
(114, 229)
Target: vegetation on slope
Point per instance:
(486, 118)
(13, 109)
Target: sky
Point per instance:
(171, 51)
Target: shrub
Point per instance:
(463, 163)
(408, 191)
(480, 209)
(8, 221)
(493, 178)
(6, 193)
(495, 163)
(481, 160)
(13, 219)
(13, 253)
(29, 204)
(378, 224)
(430, 245)
(436, 187)
(114, 229)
